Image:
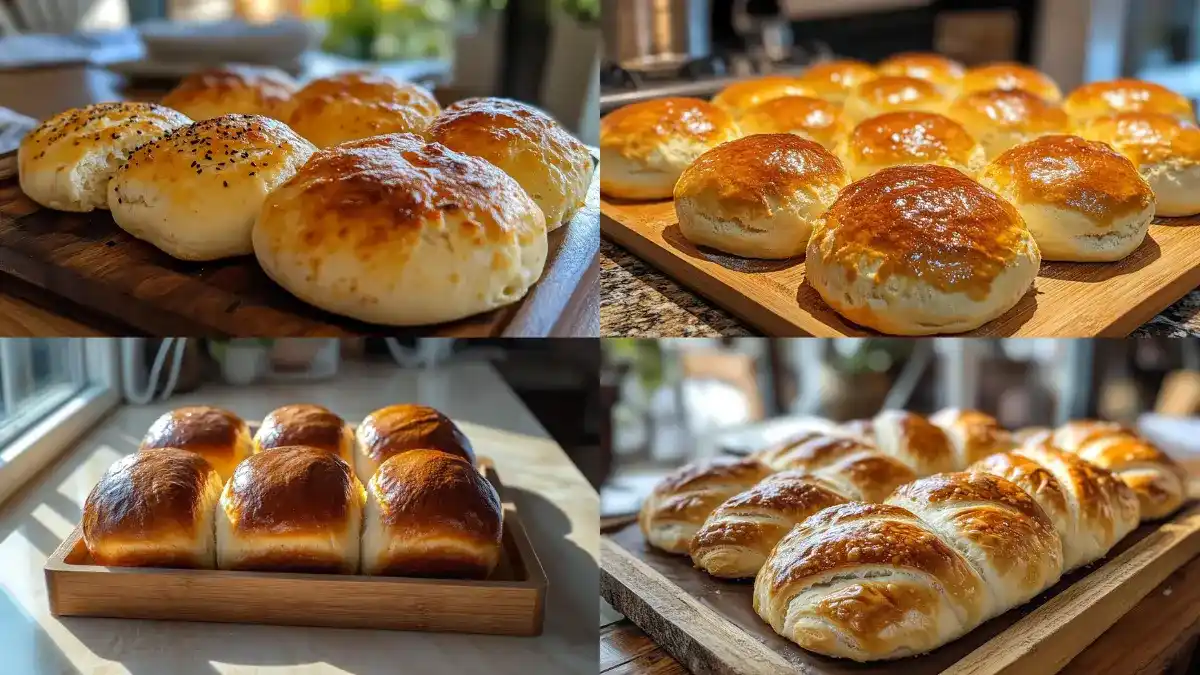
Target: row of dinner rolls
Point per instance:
(296, 504)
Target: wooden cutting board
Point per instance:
(86, 259)
(1069, 300)
(709, 625)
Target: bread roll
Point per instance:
(399, 428)
(1100, 99)
(195, 193)
(153, 509)
(812, 118)
(919, 250)
(1091, 509)
(645, 146)
(1082, 200)
(1008, 76)
(1000, 119)
(758, 196)
(217, 435)
(431, 514)
(681, 502)
(912, 439)
(945, 73)
(355, 105)
(910, 137)
(233, 89)
(308, 425)
(396, 232)
(893, 94)
(291, 509)
(1165, 151)
(850, 466)
(739, 97)
(551, 165)
(835, 80)
(66, 162)
(974, 435)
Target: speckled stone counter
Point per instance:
(636, 300)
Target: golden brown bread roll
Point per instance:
(153, 509)
(910, 137)
(919, 250)
(400, 428)
(395, 231)
(1081, 200)
(944, 72)
(893, 94)
(66, 162)
(527, 144)
(291, 509)
(1100, 99)
(835, 80)
(431, 514)
(739, 97)
(1165, 150)
(355, 105)
(645, 146)
(758, 196)
(812, 118)
(219, 436)
(851, 466)
(974, 434)
(240, 89)
(1010, 76)
(1000, 119)
(308, 425)
(680, 503)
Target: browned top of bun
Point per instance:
(893, 90)
(254, 90)
(367, 87)
(814, 451)
(639, 129)
(301, 424)
(755, 171)
(1146, 138)
(489, 128)
(1011, 76)
(1068, 171)
(967, 487)
(197, 428)
(1127, 95)
(290, 489)
(432, 491)
(926, 222)
(1009, 109)
(923, 65)
(812, 116)
(101, 121)
(695, 476)
(910, 135)
(839, 76)
(147, 494)
(741, 96)
(400, 428)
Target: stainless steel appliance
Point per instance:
(655, 35)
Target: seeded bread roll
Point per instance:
(1009, 76)
(835, 80)
(1000, 119)
(240, 89)
(1100, 99)
(1165, 151)
(355, 105)
(812, 118)
(907, 138)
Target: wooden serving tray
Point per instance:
(86, 259)
(1069, 300)
(709, 625)
(510, 602)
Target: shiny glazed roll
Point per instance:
(945, 73)
(739, 97)
(355, 105)
(758, 196)
(812, 118)
(893, 94)
(400, 428)
(1009, 76)
(974, 434)
(153, 509)
(678, 506)
(291, 509)
(1100, 99)
(910, 137)
(835, 80)
(431, 514)
(850, 466)
(1000, 119)
(308, 425)
(1082, 200)
(645, 146)
(919, 250)
(1165, 151)
(233, 89)
(219, 436)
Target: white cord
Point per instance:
(131, 348)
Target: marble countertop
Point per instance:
(639, 301)
(559, 509)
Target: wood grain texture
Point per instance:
(691, 615)
(1069, 299)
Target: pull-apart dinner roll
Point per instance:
(1009, 76)
(398, 232)
(1082, 200)
(645, 146)
(835, 80)
(431, 514)
(1165, 151)
(739, 97)
(400, 428)
(355, 105)
(309, 425)
(758, 196)
(910, 137)
(217, 435)
(291, 509)
(973, 434)
(945, 73)
(894, 94)
(66, 162)
(1000, 119)
(1100, 99)
(919, 250)
(233, 89)
(153, 509)
(812, 118)
(680, 503)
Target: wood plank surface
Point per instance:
(1068, 300)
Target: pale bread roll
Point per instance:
(1010, 76)
(910, 137)
(835, 80)
(1165, 151)
(812, 118)
(1000, 119)
(233, 89)
(1098, 99)
(355, 105)
(893, 94)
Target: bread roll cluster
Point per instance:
(1076, 178)
(892, 536)
(399, 496)
(356, 193)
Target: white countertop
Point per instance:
(559, 509)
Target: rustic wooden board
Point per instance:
(1069, 300)
(86, 259)
(510, 602)
(710, 626)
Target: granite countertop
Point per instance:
(639, 301)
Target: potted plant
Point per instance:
(571, 88)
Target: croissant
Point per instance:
(880, 581)
(973, 434)
(855, 469)
(678, 505)
(910, 438)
